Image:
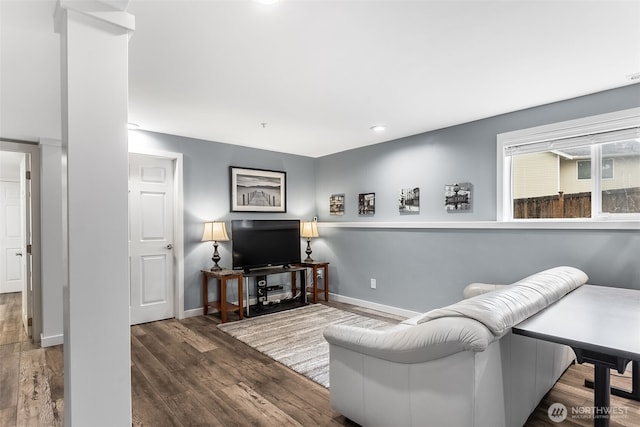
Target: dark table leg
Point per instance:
(222, 294)
(240, 297)
(205, 293)
(326, 282)
(634, 394)
(314, 271)
(294, 285)
(601, 395)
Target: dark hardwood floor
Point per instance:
(31, 378)
(188, 373)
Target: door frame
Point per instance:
(178, 223)
(32, 150)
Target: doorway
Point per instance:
(20, 230)
(11, 224)
(155, 237)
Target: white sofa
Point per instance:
(458, 365)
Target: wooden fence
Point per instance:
(577, 205)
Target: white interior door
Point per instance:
(11, 238)
(151, 238)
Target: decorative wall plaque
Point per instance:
(457, 197)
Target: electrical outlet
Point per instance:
(373, 283)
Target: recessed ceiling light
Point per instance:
(267, 2)
(378, 128)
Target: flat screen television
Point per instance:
(265, 242)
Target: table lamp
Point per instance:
(215, 231)
(309, 229)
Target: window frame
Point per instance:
(597, 124)
(578, 169)
(613, 168)
(589, 160)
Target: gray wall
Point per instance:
(206, 194)
(416, 269)
(419, 269)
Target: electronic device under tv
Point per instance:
(265, 243)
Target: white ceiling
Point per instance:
(321, 73)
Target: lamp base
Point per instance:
(308, 251)
(216, 258)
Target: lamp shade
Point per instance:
(309, 229)
(215, 231)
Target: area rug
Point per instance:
(294, 337)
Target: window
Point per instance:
(549, 172)
(584, 169)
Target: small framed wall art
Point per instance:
(409, 200)
(257, 190)
(457, 197)
(367, 203)
(336, 204)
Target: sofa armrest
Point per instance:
(406, 343)
(473, 289)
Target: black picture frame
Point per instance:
(257, 190)
(366, 204)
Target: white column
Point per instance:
(94, 51)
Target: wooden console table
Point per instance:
(222, 305)
(315, 266)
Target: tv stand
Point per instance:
(263, 304)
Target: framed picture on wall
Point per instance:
(257, 190)
(336, 204)
(457, 197)
(409, 200)
(367, 203)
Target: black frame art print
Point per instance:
(258, 190)
(367, 203)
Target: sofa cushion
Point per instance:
(473, 289)
(405, 343)
(506, 307)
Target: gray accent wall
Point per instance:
(206, 195)
(419, 269)
(416, 268)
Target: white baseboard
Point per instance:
(273, 295)
(373, 305)
(52, 340)
(338, 298)
(192, 313)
